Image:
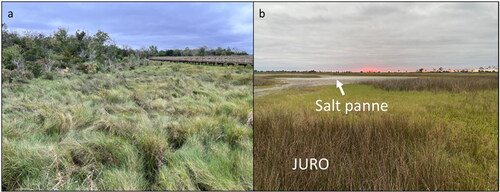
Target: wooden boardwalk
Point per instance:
(244, 60)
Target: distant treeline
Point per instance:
(201, 51)
(489, 69)
(290, 71)
(34, 54)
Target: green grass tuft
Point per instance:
(164, 127)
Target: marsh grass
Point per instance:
(271, 80)
(167, 126)
(263, 82)
(451, 84)
(442, 139)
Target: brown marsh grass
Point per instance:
(441, 137)
(452, 84)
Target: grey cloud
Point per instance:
(140, 24)
(387, 36)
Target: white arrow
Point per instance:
(339, 85)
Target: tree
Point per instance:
(100, 39)
(170, 52)
(187, 52)
(228, 51)
(80, 35)
(201, 51)
(177, 52)
(153, 50)
(219, 51)
(61, 35)
(12, 57)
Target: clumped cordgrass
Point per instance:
(166, 126)
(428, 140)
(452, 84)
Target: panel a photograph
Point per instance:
(115, 96)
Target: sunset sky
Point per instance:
(375, 36)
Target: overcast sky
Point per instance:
(167, 25)
(375, 36)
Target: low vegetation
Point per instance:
(442, 137)
(451, 84)
(270, 80)
(159, 126)
(264, 82)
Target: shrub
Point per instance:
(48, 75)
(11, 76)
(35, 68)
(7, 75)
(88, 67)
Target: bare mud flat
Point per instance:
(319, 81)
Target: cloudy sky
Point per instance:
(375, 36)
(167, 25)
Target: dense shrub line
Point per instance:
(33, 55)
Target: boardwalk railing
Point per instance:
(215, 60)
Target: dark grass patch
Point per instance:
(450, 84)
